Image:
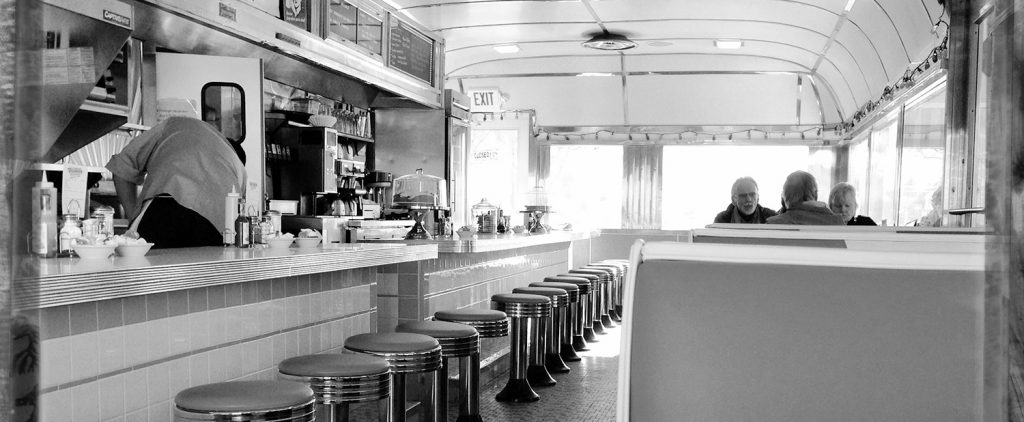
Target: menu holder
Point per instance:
(410, 52)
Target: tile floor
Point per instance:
(585, 394)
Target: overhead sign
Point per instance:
(485, 101)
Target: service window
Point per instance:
(224, 108)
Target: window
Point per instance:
(922, 158)
(697, 179)
(224, 108)
(883, 167)
(492, 169)
(857, 173)
(584, 186)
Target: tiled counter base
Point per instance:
(125, 358)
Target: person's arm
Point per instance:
(127, 193)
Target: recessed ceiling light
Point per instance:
(609, 41)
(849, 5)
(507, 48)
(728, 44)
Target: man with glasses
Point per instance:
(744, 208)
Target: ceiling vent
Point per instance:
(609, 41)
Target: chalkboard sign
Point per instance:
(343, 21)
(411, 52)
(370, 32)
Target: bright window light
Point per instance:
(728, 44)
(849, 5)
(507, 49)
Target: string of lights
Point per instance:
(810, 133)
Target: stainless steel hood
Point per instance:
(80, 40)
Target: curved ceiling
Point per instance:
(847, 56)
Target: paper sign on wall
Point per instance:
(73, 190)
(485, 101)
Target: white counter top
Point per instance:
(497, 242)
(64, 281)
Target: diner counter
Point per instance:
(64, 281)
(496, 242)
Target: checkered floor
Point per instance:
(585, 394)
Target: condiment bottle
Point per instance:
(232, 202)
(44, 219)
(70, 229)
(255, 231)
(241, 230)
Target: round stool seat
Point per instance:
(558, 297)
(391, 342)
(470, 315)
(245, 397)
(571, 289)
(456, 339)
(334, 365)
(519, 298)
(604, 275)
(522, 305)
(488, 323)
(578, 279)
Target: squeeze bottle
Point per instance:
(231, 204)
(44, 219)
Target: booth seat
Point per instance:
(895, 239)
(716, 332)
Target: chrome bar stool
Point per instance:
(546, 359)
(605, 292)
(625, 268)
(488, 324)
(613, 288)
(246, 401)
(524, 312)
(339, 380)
(596, 296)
(458, 341)
(407, 353)
(565, 321)
(583, 324)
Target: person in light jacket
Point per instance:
(800, 197)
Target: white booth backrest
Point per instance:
(848, 237)
(717, 332)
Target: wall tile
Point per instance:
(232, 324)
(112, 393)
(110, 313)
(55, 322)
(250, 292)
(408, 285)
(250, 320)
(156, 306)
(136, 344)
(179, 335)
(197, 300)
(292, 344)
(280, 347)
(233, 294)
(160, 412)
(111, 345)
(55, 364)
(179, 375)
(177, 303)
(84, 318)
(85, 356)
(291, 286)
(279, 288)
(265, 290)
(264, 316)
(85, 402)
(215, 297)
(134, 308)
(136, 393)
(315, 336)
(138, 416)
(304, 340)
(159, 383)
(199, 330)
(54, 406)
(280, 313)
(304, 305)
(157, 339)
(265, 352)
(199, 369)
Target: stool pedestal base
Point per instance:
(554, 363)
(517, 391)
(607, 321)
(568, 352)
(539, 376)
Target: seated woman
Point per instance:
(800, 198)
(843, 201)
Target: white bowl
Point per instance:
(465, 235)
(307, 242)
(93, 251)
(138, 249)
(322, 120)
(279, 242)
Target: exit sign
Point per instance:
(485, 101)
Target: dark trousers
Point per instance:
(167, 224)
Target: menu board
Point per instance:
(411, 52)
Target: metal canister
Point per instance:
(275, 220)
(70, 229)
(105, 215)
(89, 227)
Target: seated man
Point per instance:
(744, 207)
(186, 168)
(800, 197)
(843, 201)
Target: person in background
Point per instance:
(843, 201)
(186, 168)
(800, 197)
(744, 207)
(934, 216)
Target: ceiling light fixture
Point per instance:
(609, 41)
(849, 5)
(728, 44)
(507, 48)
